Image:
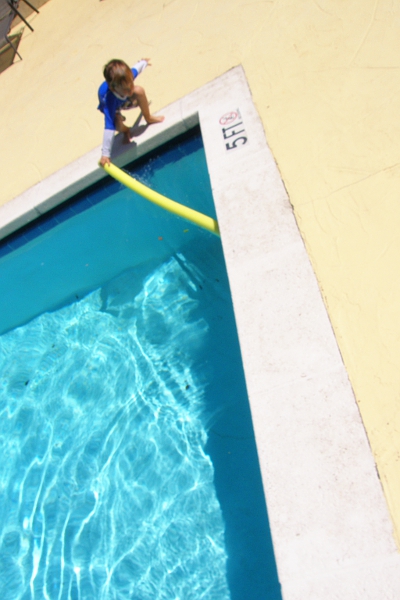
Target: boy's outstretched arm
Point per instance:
(108, 138)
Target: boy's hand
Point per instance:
(105, 160)
(147, 60)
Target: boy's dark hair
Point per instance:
(116, 72)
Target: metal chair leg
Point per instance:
(13, 47)
(16, 11)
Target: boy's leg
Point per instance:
(140, 96)
(121, 128)
(119, 123)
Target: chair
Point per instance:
(8, 11)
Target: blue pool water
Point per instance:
(129, 468)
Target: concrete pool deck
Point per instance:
(331, 528)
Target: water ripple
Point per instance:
(106, 491)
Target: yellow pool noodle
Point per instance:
(174, 207)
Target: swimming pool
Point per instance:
(131, 469)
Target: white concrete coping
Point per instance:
(330, 524)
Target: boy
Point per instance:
(120, 92)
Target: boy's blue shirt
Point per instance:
(109, 103)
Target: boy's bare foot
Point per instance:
(152, 119)
(127, 137)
